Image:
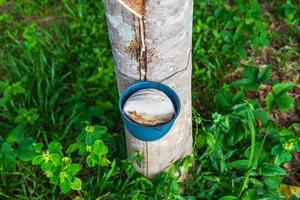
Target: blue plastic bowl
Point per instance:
(148, 133)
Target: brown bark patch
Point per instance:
(134, 48)
(152, 54)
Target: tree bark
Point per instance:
(157, 47)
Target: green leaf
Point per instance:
(46, 166)
(296, 126)
(262, 116)
(54, 180)
(7, 156)
(229, 154)
(264, 75)
(254, 102)
(23, 151)
(242, 51)
(76, 184)
(282, 88)
(55, 158)
(228, 198)
(104, 161)
(54, 147)
(3, 85)
(73, 147)
(249, 21)
(72, 169)
(211, 141)
(66, 160)
(16, 135)
(89, 140)
(36, 147)
(17, 88)
(65, 186)
(223, 98)
(270, 102)
(34, 117)
(286, 133)
(283, 158)
(276, 149)
(82, 149)
(251, 73)
(271, 170)
(256, 182)
(250, 194)
(240, 164)
(91, 161)
(37, 160)
(227, 36)
(100, 130)
(187, 163)
(284, 102)
(99, 147)
(238, 97)
(245, 84)
(272, 182)
(200, 141)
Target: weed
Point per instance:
(60, 133)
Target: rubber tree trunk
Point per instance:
(152, 39)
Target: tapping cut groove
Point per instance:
(137, 7)
(143, 51)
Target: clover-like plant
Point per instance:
(15, 148)
(89, 143)
(252, 78)
(59, 169)
(288, 145)
(279, 98)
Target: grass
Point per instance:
(57, 83)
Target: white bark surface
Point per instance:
(168, 38)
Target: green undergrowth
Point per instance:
(61, 136)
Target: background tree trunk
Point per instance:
(168, 46)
